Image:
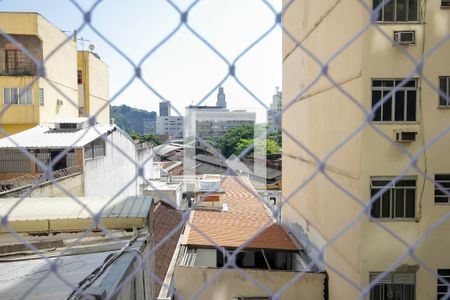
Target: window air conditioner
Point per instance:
(405, 136)
(445, 3)
(405, 37)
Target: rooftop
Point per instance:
(64, 214)
(47, 136)
(246, 216)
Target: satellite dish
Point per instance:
(91, 47)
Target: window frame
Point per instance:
(393, 278)
(28, 93)
(41, 97)
(382, 21)
(444, 181)
(387, 89)
(446, 277)
(446, 91)
(393, 201)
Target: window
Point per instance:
(444, 86)
(18, 63)
(444, 181)
(17, 96)
(443, 286)
(397, 202)
(394, 286)
(397, 10)
(401, 106)
(80, 77)
(41, 97)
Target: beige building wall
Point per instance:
(41, 38)
(322, 117)
(94, 91)
(231, 284)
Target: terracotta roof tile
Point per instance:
(245, 218)
(166, 218)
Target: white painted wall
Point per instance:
(106, 176)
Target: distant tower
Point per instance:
(221, 98)
(164, 108)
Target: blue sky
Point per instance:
(183, 69)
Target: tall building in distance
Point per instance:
(171, 126)
(273, 122)
(164, 108)
(221, 102)
(411, 118)
(209, 122)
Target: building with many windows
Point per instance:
(27, 99)
(372, 73)
(170, 125)
(209, 122)
(274, 113)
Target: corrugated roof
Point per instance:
(65, 214)
(166, 148)
(45, 136)
(245, 217)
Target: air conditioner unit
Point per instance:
(59, 102)
(405, 37)
(445, 3)
(405, 136)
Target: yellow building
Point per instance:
(93, 87)
(27, 99)
(323, 116)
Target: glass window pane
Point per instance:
(22, 96)
(375, 5)
(401, 10)
(386, 204)
(376, 97)
(400, 106)
(410, 203)
(411, 104)
(413, 10)
(443, 87)
(375, 211)
(29, 96)
(7, 96)
(387, 108)
(399, 203)
(14, 96)
(389, 10)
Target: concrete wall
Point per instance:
(60, 83)
(322, 117)
(107, 175)
(95, 86)
(231, 284)
(72, 184)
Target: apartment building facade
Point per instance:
(27, 99)
(365, 167)
(209, 122)
(93, 87)
(170, 125)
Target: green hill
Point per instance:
(132, 119)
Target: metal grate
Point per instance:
(390, 102)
